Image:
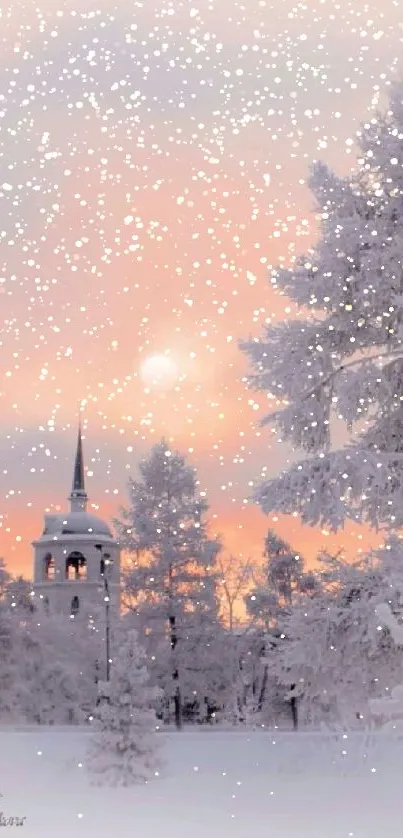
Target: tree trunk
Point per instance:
(294, 710)
(175, 676)
(262, 694)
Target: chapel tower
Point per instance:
(75, 553)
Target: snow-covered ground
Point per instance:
(215, 784)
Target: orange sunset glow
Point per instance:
(154, 159)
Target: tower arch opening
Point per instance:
(76, 566)
(49, 567)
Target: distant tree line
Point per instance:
(224, 641)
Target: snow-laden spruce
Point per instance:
(124, 749)
(344, 358)
(171, 579)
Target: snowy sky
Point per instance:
(154, 159)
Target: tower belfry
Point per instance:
(69, 563)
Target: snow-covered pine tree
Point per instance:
(124, 748)
(345, 360)
(171, 582)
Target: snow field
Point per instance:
(214, 784)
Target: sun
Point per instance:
(159, 372)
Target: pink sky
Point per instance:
(154, 161)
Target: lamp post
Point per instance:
(106, 563)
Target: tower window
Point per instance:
(49, 567)
(75, 606)
(76, 566)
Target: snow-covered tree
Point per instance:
(50, 663)
(345, 359)
(171, 580)
(249, 675)
(19, 594)
(281, 579)
(235, 578)
(332, 654)
(10, 676)
(242, 674)
(284, 568)
(5, 578)
(306, 662)
(389, 708)
(57, 665)
(124, 749)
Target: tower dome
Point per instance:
(74, 552)
(75, 523)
